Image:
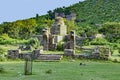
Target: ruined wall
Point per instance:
(13, 54)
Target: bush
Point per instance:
(119, 50)
(99, 41)
(111, 27)
(34, 42)
(5, 39)
(2, 58)
(49, 71)
(2, 54)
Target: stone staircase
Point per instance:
(49, 57)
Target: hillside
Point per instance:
(94, 11)
(92, 16)
(99, 11)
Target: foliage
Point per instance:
(27, 29)
(112, 31)
(99, 41)
(2, 54)
(119, 50)
(103, 51)
(86, 42)
(2, 51)
(60, 46)
(34, 42)
(49, 71)
(115, 46)
(70, 25)
(22, 29)
(42, 22)
(5, 39)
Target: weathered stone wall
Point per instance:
(69, 52)
(36, 53)
(49, 57)
(13, 54)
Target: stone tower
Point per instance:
(59, 27)
(45, 38)
(70, 40)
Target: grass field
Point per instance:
(64, 70)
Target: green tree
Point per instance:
(70, 25)
(111, 30)
(28, 28)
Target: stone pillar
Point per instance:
(28, 65)
(72, 39)
(52, 45)
(46, 39)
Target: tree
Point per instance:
(111, 30)
(70, 25)
(37, 17)
(28, 28)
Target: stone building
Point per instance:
(14, 54)
(59, 27)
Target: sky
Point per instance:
(12, 10)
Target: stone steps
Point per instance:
(49, 57)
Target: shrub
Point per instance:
(99, 41)
(60, 46)
(49, 71)
(2, 54)
(5, 39)
(34, 42)
(119, 50)
(111, 27)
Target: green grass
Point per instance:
(63, 70)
